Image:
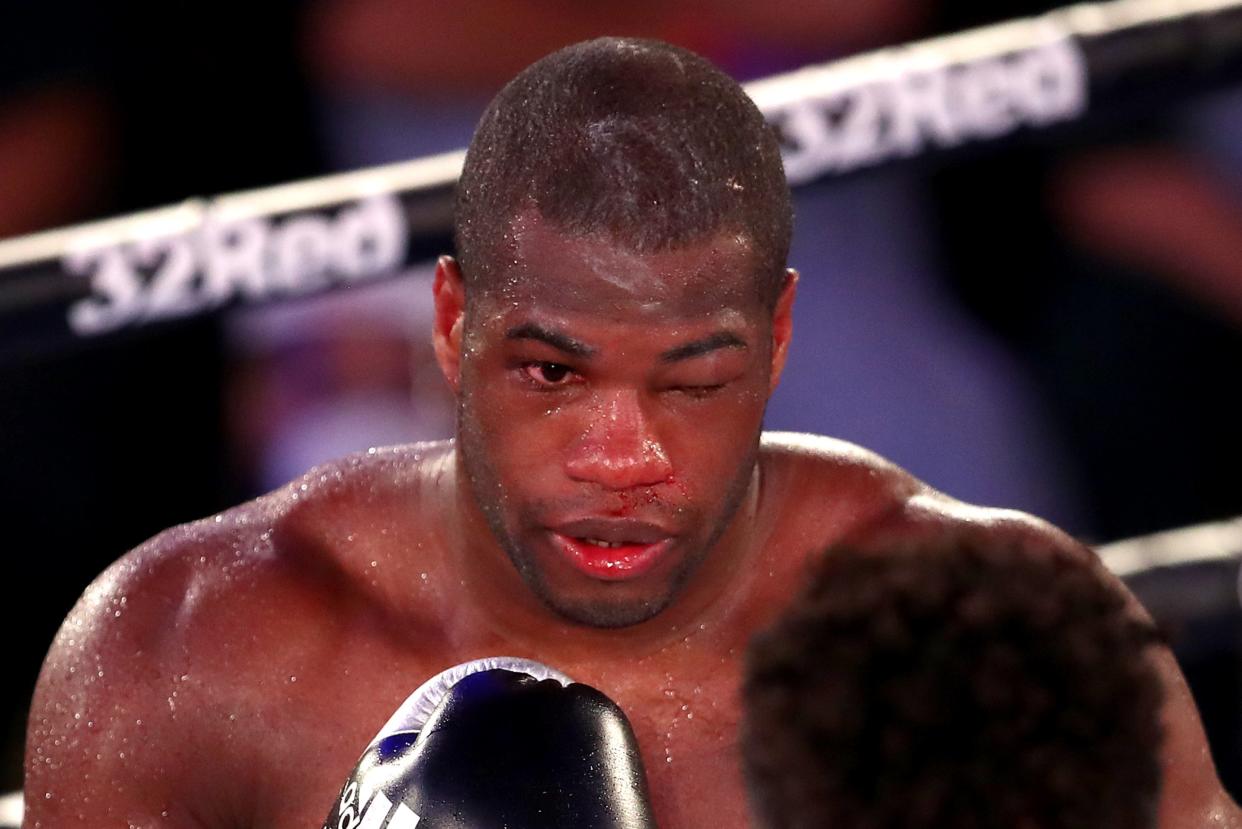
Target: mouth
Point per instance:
(612, 550)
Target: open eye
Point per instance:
(549, 375)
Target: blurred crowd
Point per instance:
(1053, 328)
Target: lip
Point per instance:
(643, 545)
(617, 530)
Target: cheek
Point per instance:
(518, 428)
(707, 445)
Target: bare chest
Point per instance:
(687, 730)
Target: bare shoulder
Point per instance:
(817, 462)
(932, 516)
(933, 512)
(319, 527)
(874, 505)
(179, 648)
(840, 493)
(825, 487)
(115, 703)
(1191, 791)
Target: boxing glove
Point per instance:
(502, 748)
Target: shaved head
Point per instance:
(641, 142)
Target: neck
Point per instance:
(499, 605)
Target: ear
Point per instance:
(450, 307)
(782, 327)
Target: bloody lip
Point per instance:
(628, 561)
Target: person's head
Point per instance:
(616, 320)
(966, 683)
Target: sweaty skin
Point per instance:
(228, 673)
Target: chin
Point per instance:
(606, 613)
(613, 604)
(602, 604)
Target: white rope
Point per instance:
(11, 810)
(1200, 544)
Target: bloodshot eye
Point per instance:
(548, 375)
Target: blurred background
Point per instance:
(1054, 328)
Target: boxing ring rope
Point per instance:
(1191, 573)
(11, 810)
(920, 100)
(1219, 542)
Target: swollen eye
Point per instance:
(551, 374)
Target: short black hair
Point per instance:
(640, 140)
(972, 684)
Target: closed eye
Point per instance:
(698, 392)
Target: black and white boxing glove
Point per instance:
(507, 743)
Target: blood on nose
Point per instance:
(618, 448)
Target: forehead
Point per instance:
(548, 269)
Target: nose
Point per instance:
(618, 448)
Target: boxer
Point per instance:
(617, 320)
(957, 681)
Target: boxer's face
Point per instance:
(609, 409)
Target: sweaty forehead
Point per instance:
(594, 273)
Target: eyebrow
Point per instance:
(719, 340)
(559, 341)
(567, 344)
